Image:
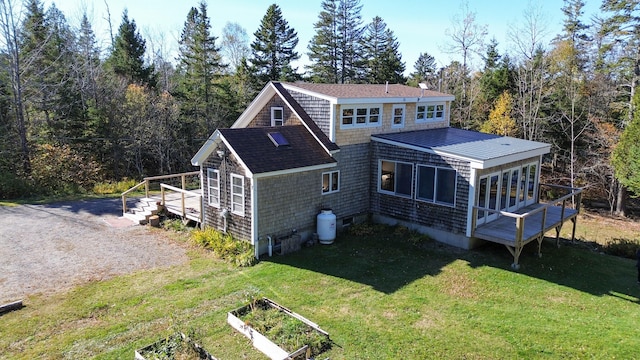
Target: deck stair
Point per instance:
(142, 210)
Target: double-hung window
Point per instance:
(277, 116)
(436, 185)
(395, 178)
(397, 115)
(330, 182)
(360, 115)
(237, 194)
(213, 185)
(426, 112)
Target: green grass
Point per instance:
(379, 297)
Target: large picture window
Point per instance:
(426, 112)
(360, 116)
(330, 182)
(213, 185)
(436, 185)
(237, 194)
(395, 178)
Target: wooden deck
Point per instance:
(190, 208)
(181, 201)
(517, 229)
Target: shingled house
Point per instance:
(381, 150)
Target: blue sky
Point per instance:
(419, 25)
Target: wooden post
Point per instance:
(146, 188)
(124, 204)
(184, 182)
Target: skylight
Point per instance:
(278, 139)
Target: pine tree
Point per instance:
(199, 69)
(424, 71)
(127, 56)
(273, 50)
(380, 52)
(350, 63)
(323, 48)
(626, 154)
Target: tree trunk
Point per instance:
(621, 201)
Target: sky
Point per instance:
(419, 25)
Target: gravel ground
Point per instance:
(49, 248)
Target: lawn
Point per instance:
(380, 294)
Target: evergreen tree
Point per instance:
(350, 64)
(626, 154)
(127, 56)
(199, 69)
(380, 52)
(323, 48)
(424, 71)
(335, 50)
(273, 50)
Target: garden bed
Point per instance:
(175, 346)
(278, 332)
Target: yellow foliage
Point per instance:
(500, 121)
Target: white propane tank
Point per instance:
(326, 227)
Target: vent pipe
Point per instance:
(386, 88)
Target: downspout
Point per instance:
(471, 201)
(254, 217)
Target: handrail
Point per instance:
(148, 179)
(124, 195)
(520, 218)
(182, 192)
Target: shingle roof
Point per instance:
(363, 91)
(467, 144)
(261, 155)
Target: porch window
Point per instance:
(360, 116)
(436, 185)
(330, 182)
(427, 112)
(397, 116)
(395, 178)
(277, 116)
(237, 194)
(213, 185)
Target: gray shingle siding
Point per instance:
(446, 218)
(264, 116)
(318, 109)
(238, 226)
(353, 197)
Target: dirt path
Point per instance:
(46, 248)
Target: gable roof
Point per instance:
(263, 98)
(480, 149)
(353, 93)
(259, 154)
(306, 119)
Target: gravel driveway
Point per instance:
(46, 248)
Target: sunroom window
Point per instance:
(395, 178)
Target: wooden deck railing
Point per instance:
(146, 181)
(571, 198)
(183, 194)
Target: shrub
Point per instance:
(111, 187)
(622, 247)
(176, 225)
(13, 187)
(224, 246)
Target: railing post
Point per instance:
(124, 204)
(184, 187)
(146, 188)
(162, 194)
(184, 212)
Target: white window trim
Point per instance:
(273, 118)
(394, 192)
(330, 174)
(355, 108)
(434, 119)
(435, 185)
(210, 187)
(393, 115)
(233, 210)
